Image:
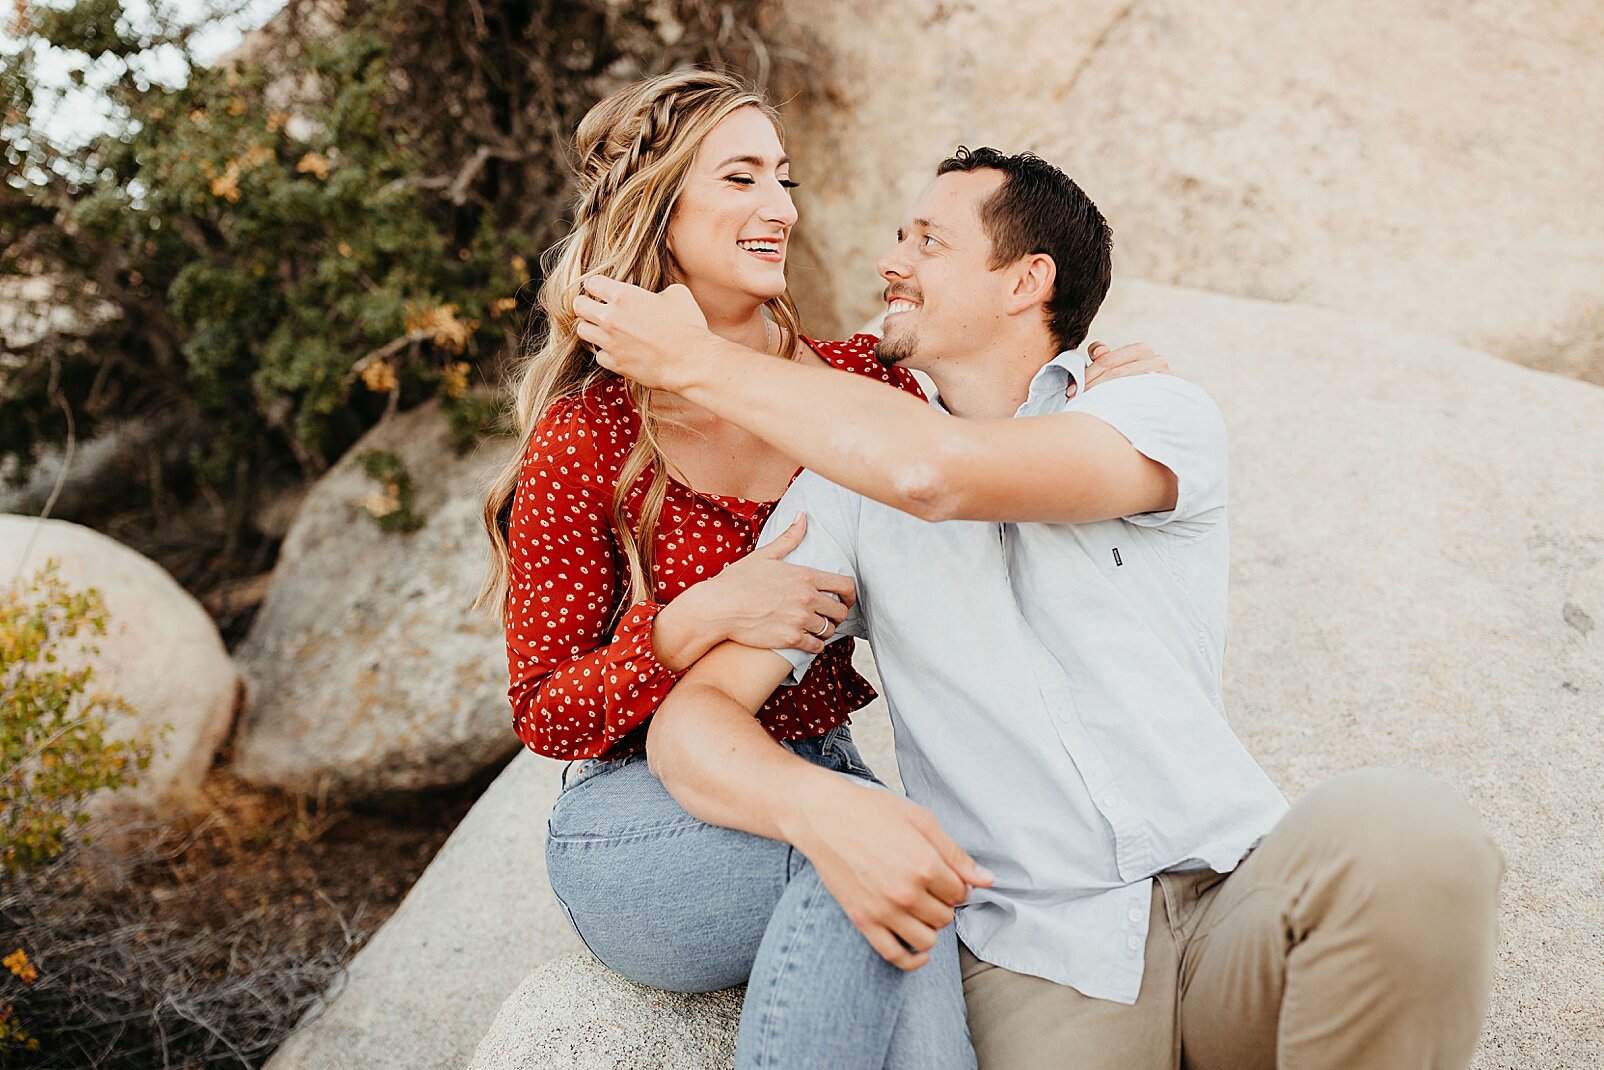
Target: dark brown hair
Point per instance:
(1039, 209)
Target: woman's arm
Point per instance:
(897, 875)
(580, 683)
(577, 682)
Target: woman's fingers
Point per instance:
(832, 610)
(789, 540)
(834, 583)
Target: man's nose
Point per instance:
(893, 265)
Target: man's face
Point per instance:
(941, 292)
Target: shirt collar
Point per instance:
(1048, 385)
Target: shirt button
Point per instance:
(1135, 914)
(1134, 942)
(1110, 800)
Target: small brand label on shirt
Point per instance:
(1117, 561)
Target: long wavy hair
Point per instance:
(634, 151)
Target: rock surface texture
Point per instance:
(1417, 581)
(425, 989)
(1416, 164)
(574, 1012)
(161, 652)
(367, 671)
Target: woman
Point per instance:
(623, 537)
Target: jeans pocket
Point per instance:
(844, 755)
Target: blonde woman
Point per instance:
(623, 540)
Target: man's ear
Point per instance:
(1033, 278)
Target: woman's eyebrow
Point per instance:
(755, 161)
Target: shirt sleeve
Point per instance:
(579, 682)
(830, 546)
(1177, 424)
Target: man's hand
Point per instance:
(651, 338)
(889, 864)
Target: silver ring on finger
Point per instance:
(823, 631)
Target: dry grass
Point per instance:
(203, 943)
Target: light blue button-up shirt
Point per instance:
(1055, 688)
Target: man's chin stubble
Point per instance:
(893, 351)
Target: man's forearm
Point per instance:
(863, 435)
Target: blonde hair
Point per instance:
(635, 150)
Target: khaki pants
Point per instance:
(1359, 934)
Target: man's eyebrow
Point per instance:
(755, 161)
(928, 225)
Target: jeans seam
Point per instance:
(656, 832)
(787, 954)
(573, 922)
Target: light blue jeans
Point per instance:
(675, 903)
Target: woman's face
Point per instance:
(732, 223)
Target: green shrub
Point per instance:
(53, 748)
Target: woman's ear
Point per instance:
(1034, 276)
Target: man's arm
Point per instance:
(896, 874)
(878, 441)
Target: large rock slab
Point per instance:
(367, 671)
(1420, 164)
(575, 1013)
(427, 986)
(1417, 581)
(161, 652)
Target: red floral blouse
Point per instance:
(580, 685)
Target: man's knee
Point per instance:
(1414, 863)
(1401, 825)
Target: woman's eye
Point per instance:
(745, 180)
(788, 184)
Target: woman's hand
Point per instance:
(1134, 359)
(760, 601)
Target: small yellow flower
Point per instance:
(343, 248)
(315, 164)
(503, 304)
(520, 266)
(455, 378)
(441, 326)
(226, 185)
(276, 121)
(236, 107)
(255, 156)
(17, 962)
(379, 377)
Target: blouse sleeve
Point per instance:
(578, 683)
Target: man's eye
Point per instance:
(926, 240)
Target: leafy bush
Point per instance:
(53, 748)
(339, 220)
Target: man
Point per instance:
(1042, 574)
